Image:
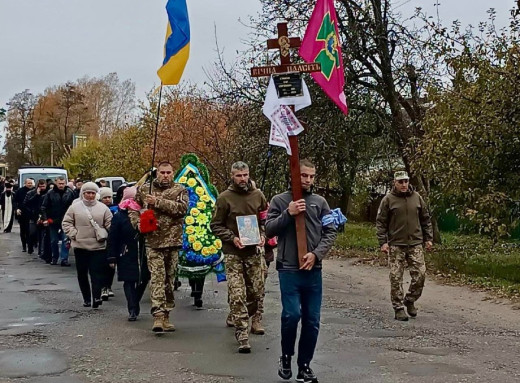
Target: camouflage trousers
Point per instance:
(260, 310)
(245, 281)
(162, 264)
(398, 258)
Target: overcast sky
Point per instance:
(47, 42)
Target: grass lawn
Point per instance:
(469, 259)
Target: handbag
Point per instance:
(101, 232)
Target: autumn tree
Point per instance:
(471, 146)
(18, 130)
(110, 101)
(42, 126)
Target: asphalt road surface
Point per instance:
(46, 336)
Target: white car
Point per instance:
(44, 173)
(112, 182)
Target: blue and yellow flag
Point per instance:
(177, 45)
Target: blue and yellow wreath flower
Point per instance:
(194, 212)
(190, 229)
(200, 231)
(200, 246)
(197, 246)
(192, 182)
(202, 219)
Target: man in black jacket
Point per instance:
(38, 234)
(22, 214)
(54, 206)
(300, 286)
(78, 185)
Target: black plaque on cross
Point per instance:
(284, 43)
(288, 84)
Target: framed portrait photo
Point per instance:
(248, 230)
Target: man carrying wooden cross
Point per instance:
(302, 220)
(300, 286)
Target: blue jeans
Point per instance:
(301, 293)
(56, 235)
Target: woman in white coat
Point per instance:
(86, 223)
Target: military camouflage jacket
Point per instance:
(170, 209)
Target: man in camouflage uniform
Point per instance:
(403, 228)
(243, 263)
(169, 202)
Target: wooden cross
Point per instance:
(284, 43)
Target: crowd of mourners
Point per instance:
(55, 216)
(108, 234)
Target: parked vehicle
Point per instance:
(48, 172)
(112, 182)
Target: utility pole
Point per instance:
(52, 153)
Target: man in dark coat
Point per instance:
(38, 234)
(22, 215)
(55, 204)
(78, 185)
(8, 208)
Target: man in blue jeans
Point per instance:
(53, 209)
(300, 287)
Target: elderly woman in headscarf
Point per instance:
(126, 250)
(87, 223)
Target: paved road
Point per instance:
(47, 336)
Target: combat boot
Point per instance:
(410, 308)
(158, 319)
(169, 327)
(256, 326)
(244, 347)
(243, 342)
(229, 321)
(401, 315)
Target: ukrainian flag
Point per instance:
(177, 45)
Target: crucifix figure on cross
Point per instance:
(284, 43)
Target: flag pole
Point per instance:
(155, 136)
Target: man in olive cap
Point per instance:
(403, 229)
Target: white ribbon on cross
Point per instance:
(283, 121)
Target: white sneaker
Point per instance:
(110, 293)
(104, 294)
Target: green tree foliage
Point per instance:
(123, 153)
(84, 161)
(471, 146)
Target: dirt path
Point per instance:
(460, 335)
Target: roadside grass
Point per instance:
(468, 259)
